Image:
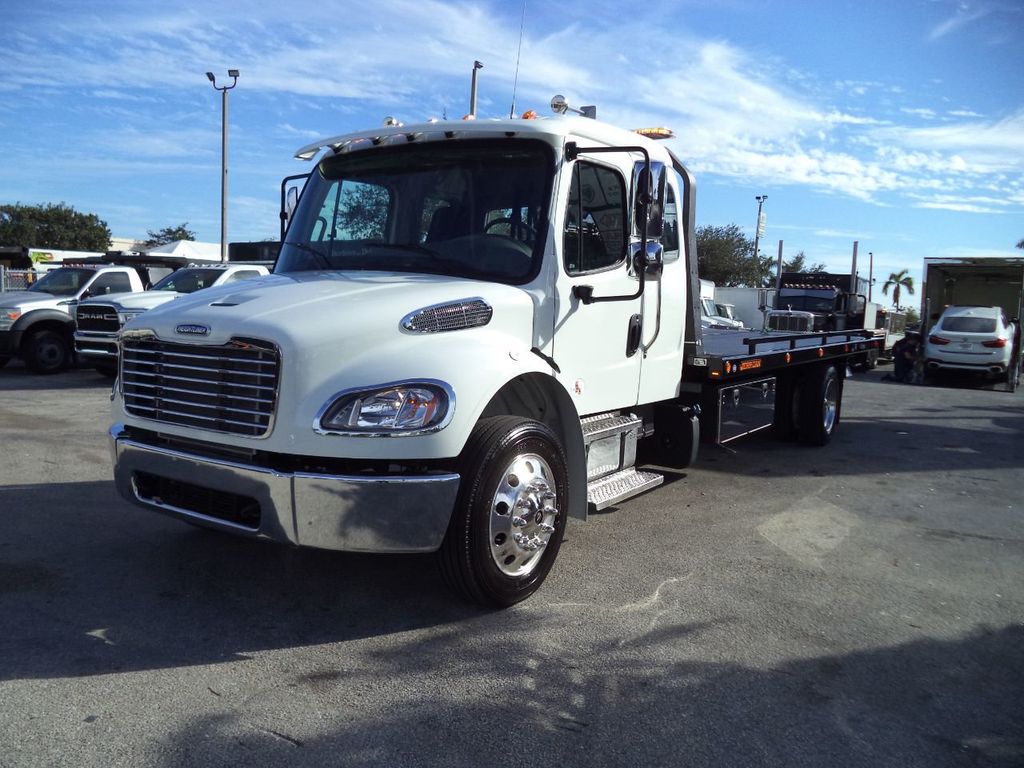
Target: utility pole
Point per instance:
(232, 73)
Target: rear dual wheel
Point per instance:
(510, 516)
(808, 408)
(818, 409)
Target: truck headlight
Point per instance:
(124, 315)
(7, 318)
(389, 410)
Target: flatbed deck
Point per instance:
(738, 354)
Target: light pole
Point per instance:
(759, 230)
(870, 272)
(232, 73)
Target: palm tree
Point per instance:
(898, 280)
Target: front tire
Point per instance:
(509, 518)
(47, 352)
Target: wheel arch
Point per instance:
(44, 320)
(542, 398)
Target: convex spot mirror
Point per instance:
(651, 261)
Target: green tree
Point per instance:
(725, 256)
(898, 281)
(57, 226)
(799, 264)
(169, 235)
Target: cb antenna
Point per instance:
(519, 50)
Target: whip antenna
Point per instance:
(519, 50)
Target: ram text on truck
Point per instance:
(473, 332)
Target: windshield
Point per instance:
(188, 280)
(66, 281)
(474, 208)
(804, 303)
(968, 324)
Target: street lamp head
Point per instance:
(232, 73)
(210, 77)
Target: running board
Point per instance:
(620, 486)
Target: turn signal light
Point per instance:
(938, 340)
(1000, 342)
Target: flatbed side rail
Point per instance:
(823, 338)
(746, 360)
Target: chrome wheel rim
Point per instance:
(523, 515)
(829, 405)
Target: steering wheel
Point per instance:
(517, 230)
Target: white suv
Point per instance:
(972, 338)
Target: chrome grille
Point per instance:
(97, 317)
(793, 323)
(230, 388)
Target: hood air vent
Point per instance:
(451, 316)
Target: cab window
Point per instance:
(112, 282)
(594, 235)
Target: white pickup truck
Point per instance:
(36, 324)
(473, 332)
(98, 321)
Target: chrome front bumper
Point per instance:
(350, 513)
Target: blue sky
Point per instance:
(898, 124)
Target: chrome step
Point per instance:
(605, 424)
(620, 486)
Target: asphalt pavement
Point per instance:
(775, 605)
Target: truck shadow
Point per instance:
(922, 704)
(111, 588)
(15, 376)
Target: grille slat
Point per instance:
(229, 388)
(97, 317)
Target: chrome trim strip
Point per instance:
(444, 386)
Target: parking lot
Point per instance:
(775, 605)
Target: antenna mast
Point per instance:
(519, 50)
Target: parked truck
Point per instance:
(473, 332)
(36, 324)
(99, 320)
(825, 301)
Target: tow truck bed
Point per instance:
(739, 376)
(740, 354)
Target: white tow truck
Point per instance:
(473, 332)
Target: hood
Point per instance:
(22, 299)
(330, 310)
(134, 300)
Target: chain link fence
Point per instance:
(16, 279)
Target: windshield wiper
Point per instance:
(324, 262)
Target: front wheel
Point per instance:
(47, 352)
(509, 518)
